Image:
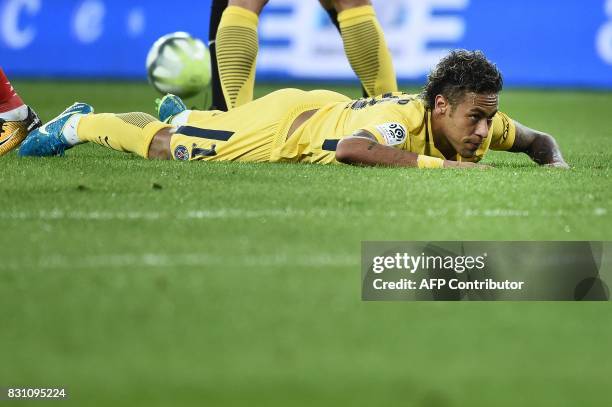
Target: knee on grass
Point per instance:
(160, 145)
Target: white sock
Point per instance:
(17, 114)
(181, 119)
(70, 130)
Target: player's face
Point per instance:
(468, 122)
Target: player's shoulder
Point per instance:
(399, 115)
(410, 112)
(412, 101)
(410, 106)
(391, 100)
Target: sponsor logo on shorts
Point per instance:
(181, 153)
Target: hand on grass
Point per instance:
(558, 164)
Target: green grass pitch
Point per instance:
(136, 283)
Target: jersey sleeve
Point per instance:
(503, 132)
(393, 134)
(389, 121)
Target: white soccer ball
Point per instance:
(178, 63)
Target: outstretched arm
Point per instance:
(541, 147)
(363, 149)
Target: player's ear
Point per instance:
(441, 104)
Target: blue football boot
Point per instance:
(49, 140)
(168, 107)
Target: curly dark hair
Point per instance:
(459, 72)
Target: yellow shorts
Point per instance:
(249, 132)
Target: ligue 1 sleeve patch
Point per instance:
(393, 133)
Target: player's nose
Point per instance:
(482, 130)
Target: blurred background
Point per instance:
(548, 43)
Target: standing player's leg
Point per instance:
(237, 44)
(16, 118)
(365, 46)
(11, 105)
(328, 6)
(216, 11)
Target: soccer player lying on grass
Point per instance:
(453, 123)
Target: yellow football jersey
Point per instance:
(399, 120)
(257, 131)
